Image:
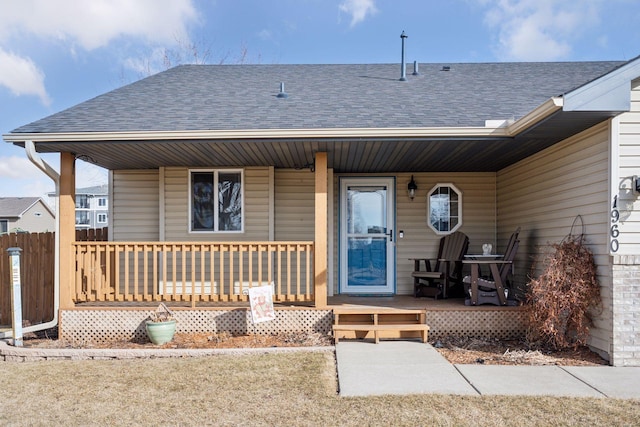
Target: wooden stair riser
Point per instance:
(380, 323)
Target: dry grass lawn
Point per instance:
(297, 389)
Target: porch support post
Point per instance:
(320, 245)
(67, 230)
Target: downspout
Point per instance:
(30, 149)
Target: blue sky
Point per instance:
(57, 53)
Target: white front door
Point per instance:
(367, 248)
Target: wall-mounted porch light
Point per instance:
(411, 188)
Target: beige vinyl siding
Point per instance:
(294, 207)
(256, 207)
(294, 204)
(544, 193)
(478, 218)
(135, 205)
(36, 219)
(628, 161)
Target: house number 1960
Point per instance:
(614, 231)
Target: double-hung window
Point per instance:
(216, 201)
(4, 226)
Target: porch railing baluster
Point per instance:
(182, 271)
(127, 280)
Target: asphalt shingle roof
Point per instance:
(234, 97)
(13, 207)
(96, 190)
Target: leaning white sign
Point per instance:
(261, 301)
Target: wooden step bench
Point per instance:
(378, 320)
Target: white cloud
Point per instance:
(20, 178)
(22, 77)
(37, 188)
(93, 24)
(83, 25)
(146, 65)
(17, 167)
(358, 9)
(539, 30)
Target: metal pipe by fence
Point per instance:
(16, 296)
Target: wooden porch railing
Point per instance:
(190, 271)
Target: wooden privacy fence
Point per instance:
(36, 270)
(92, 234)
(189, 271)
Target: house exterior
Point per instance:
(224, 177)
(29, 214)
(92, 206)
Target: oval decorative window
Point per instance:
(444, 208)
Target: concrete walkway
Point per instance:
(400, 367)
(410, 367)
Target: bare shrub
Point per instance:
(560, 301)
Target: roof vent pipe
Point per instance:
(415, 68)
(403, 70)
(282, 93)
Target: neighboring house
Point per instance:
(29, 214)
(92, 206)
(221, 178)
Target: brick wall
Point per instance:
(626, 310)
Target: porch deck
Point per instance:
(341, 302)
(345, 302)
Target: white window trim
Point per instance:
(459, 224)
(215, 186)
(5, 221)
(101, 215)
(105, 202)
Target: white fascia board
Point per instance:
(538, 114)
(611, 92)
(260, 134)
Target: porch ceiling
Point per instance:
(359, 155)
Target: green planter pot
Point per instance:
(161, 332)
